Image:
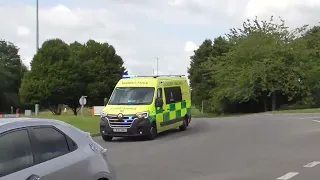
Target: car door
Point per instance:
(57, 156)
(16, 156)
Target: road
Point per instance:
(262, 147)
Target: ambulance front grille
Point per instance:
(126, 121)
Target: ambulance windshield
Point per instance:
(132, 96)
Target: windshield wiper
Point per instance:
(141, 103)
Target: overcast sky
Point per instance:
(141, 30)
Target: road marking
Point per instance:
(288, 175)
(312, 164)
(316, 121)
(309, 118)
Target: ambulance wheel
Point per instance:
(183, 127)
(107, 138)
(153, 132)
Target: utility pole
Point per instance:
(157, 65)
(37, 22)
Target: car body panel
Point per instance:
(82, 163)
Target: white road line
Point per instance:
(316, 121)
(309, 118)
(312, 164)
(288, 175)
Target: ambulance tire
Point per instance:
(183, 127)
(107, 138)
(153, 132)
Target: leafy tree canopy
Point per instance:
(11, 73)
(261, 62)
(61, 73)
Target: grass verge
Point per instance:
(91, 124)
(88, 123)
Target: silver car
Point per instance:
(46, 149)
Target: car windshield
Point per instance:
(132, 96)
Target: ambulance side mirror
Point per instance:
(159, 102)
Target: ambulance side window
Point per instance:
(173, 95)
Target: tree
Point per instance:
(44, 83)
(104, 69)
(310, 77)
(261, 63)
(195, 76)
(11, 73)
(200, 75)
(62, 73)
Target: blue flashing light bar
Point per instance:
(129, 76)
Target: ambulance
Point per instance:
(146, 106)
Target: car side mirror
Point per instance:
(159, 102)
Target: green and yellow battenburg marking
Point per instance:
(176, 111)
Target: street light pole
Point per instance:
(37, 22)
(157, 65)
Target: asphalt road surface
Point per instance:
(255, 147)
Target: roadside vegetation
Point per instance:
(260, 67)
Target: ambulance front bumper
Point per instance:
(138, 127)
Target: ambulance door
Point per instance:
(168, 111)
(159, 110)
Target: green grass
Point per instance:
(196, 113)
(90, 123)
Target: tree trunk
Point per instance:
(265, 104)
(274, 104)
(75, 112)
(55, 109)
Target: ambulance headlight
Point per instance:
(103, 114)
(143, 115)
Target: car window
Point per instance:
(50, 143)
(15, 152)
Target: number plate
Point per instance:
(119, 130)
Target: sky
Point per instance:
(141, 30)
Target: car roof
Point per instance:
(4, 121)
(12, 123)
(7, 124)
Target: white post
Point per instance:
(202, 107)
(36, 109)
(82, 104)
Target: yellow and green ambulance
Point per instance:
(146, 106)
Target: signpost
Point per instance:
(82, 101)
